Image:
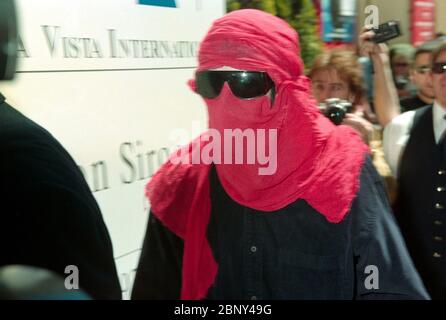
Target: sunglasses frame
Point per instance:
(230, 77)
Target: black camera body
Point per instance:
(8, 39)
(335, 109)
(387, 31)
(401, 82)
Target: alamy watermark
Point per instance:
(72, 280)
(371, 282)
(232, 146)
(372, 19)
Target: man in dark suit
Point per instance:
(49, 217)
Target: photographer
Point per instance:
(337, 74)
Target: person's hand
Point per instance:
(361, 125)
(369, 48)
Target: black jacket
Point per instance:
(49, 217)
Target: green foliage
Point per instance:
(233, 5)
(268, 6)
(300, 14)
(284, 8)
(306, 23)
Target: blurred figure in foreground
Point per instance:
(50, 218)
(30, 283)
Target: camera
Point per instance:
(335, 109)
(8, 39)
(387, 31)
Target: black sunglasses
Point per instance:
(243, 84)
(439, 68)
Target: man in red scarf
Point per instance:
(311, 221)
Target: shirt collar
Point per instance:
(439, 113)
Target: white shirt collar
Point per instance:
(439, 112)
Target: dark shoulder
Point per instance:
(369, 174)
(412, 103)
(371, 202)
(13, 124)
(29, 153)
(421, 112)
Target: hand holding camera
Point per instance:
(340, 112)
(369, 48)
(372, 41)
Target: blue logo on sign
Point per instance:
(160, 3)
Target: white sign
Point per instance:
(108, 79)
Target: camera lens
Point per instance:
(336, 114)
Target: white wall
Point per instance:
(441, 15)
(108, 107)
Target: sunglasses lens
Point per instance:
(439, 68)
(247, 85)
(243, 84)
(209, 84)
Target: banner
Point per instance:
(423, 21)
(338, 20)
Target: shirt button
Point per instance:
(438, 223)
(439, 239)
(253, 249)
(438, 206)
(253, 298)
(437, 255)
(440, 189)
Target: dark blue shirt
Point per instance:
(294, 253)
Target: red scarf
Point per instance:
(316, 161)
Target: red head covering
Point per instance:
(316, 161)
